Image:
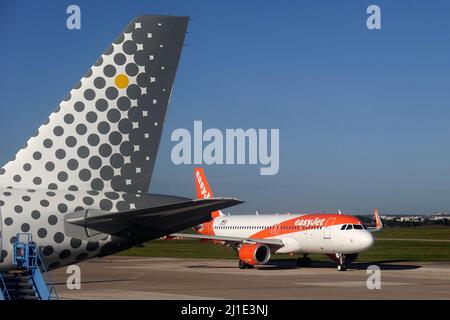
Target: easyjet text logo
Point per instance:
(201, 184)
(317, 222)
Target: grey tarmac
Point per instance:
(200, 279)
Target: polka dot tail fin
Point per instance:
(78, 188)
(106, 133)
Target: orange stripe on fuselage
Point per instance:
(305, 222)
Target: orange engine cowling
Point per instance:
(254, 254)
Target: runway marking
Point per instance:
(428, 272)
(349, 284)
(222, 270)
(143, 259)
(129, 295)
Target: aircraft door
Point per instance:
(327, 230)
(275, 229)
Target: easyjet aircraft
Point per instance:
(256, 237)
(79, 184)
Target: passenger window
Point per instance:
(349, 227)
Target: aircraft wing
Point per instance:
(231, 240)
(144, 224)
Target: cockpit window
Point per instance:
(358, 227)
(349, 227)
(343, 227)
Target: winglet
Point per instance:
(378, 223)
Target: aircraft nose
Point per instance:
(366, 240)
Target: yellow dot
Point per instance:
(122, 81)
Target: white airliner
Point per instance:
(256, 237)
(79, 184)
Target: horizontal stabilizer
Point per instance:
(143, 224)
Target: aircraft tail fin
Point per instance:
(378, 223)
(106, 132)
(204, 190)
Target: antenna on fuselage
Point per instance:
(257, 213)
(340, 213)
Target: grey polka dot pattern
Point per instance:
(42, 213)
(97, 149)
(115, 113)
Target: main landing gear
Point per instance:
(342, 266)
(243, 265)
(304, 262)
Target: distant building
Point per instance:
(440, 216)
(412, 218)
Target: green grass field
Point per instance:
(423, 232)
(382, 250)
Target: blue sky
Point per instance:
(363, 115)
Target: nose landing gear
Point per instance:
(342, 266)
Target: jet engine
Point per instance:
(254, 254)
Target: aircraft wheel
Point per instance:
(243, 265)
(341, 267)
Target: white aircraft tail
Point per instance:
(105, 135)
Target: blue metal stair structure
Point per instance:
(4, 295)
(30, 280)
